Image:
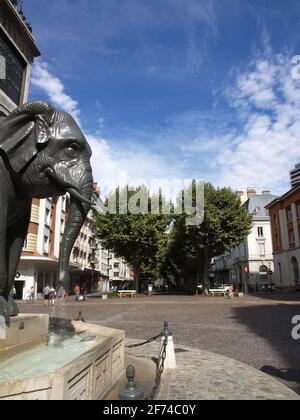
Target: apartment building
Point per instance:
(17, 52)
(120, 274)
(250, 265)
(285, 226)
(39, 261)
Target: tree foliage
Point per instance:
(136, 235)
(226, 224)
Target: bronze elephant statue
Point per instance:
(43, 153)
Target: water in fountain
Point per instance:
(59, 325)
(44, 359)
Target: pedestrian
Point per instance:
(231, 292)
(52, 296)
(77, 292)
(46, 294)
(14, 293)
(84, 292)
(32, 293)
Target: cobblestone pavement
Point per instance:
(255, 330)
(201, 375)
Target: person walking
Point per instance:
(46, 294)
(52, 296)
(84, 292)
(77, 292)
(231, 292)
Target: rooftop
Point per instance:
(256, 205)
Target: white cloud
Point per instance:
(53, 87)
(267, 99)
(256, 144)
(113, 164)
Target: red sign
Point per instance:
(246, 269)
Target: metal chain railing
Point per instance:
(165, 334)
(160, 368)
(145, 342)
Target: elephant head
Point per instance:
(47, 155)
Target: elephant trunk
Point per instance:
(77, 215)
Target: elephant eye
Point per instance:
(73, 149)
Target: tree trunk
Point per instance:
(137, 279)
(206, 284)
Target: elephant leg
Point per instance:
(16, 236)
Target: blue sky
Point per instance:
(173, 88)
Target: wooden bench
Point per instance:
(131, 293)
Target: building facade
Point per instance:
(295, 176)
(17, 52)
(250, 266)
(38, 266)
(285, 224)
(120, 274)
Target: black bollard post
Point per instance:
(166, 331)
(131, 391)
(79, 317)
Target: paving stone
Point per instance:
(195, 380)
(255, 330)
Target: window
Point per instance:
(289, 214)
(45, 245)
(263, 272)
(298, 209)
(25, 243)
(295, 269)
(116, 265)
(291, 236)
(262, 249)
(116, 274)
(260, 231)
(47, 217)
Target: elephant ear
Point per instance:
(23, 131)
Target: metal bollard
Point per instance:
(79, 317)
(166, 332)
(168, 350)
(131, 391)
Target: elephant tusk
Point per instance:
(79, 197)
(70, 190)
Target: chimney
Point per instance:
(251, 192)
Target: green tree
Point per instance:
(134, 228)
(225, 225)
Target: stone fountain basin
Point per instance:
(81, 365)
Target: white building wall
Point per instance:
(254, 252)
(27, 274)
(44, 226)
(286, 279)
(283, 229)
(60, 221)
